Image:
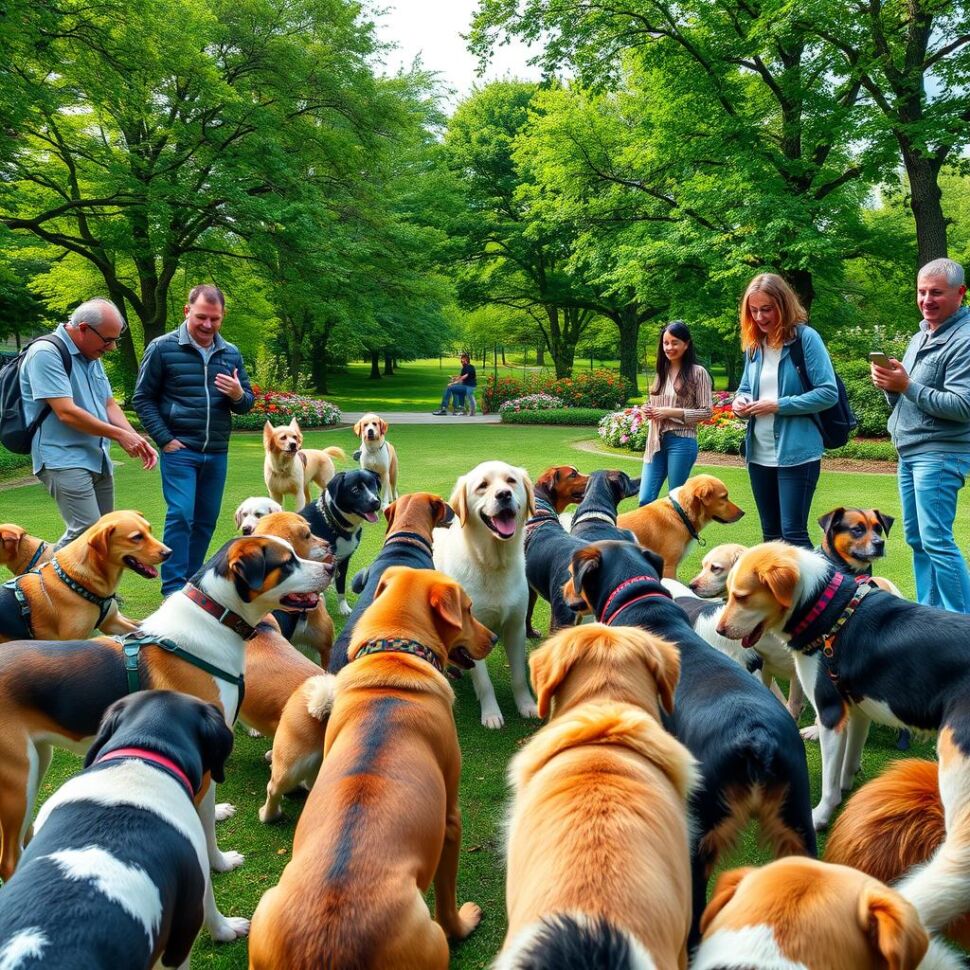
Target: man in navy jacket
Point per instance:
(190, 383)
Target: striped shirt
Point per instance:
(695, 406)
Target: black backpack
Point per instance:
(15, 433)
(835, 423)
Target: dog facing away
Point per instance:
(484, 551)
(377, 454)
(598, 867)
(251, 510)
(289, 467)
(596, 517)
(116, 873)
(800, 914)
(20, 551)
(382, 821)
(669, 525)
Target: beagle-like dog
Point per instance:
(377, 454)
(20, 552)
(382, 821)
(73, 594)
(53, 694)
(598, 867)
(853, 539)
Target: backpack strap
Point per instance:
(797, 354)
(68, 364)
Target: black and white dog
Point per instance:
(349, 499)
(117, 871)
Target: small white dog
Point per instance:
(376, 454)
(484, 551)
(251, 510)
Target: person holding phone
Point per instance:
(783, 445)
(929, 393)
(680, 398)
(190, 383)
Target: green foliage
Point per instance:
(11, 463)
(588, 389)
(578, 417)
(868, 402)
(866, 448)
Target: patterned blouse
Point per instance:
(696, 406)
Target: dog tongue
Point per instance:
(370, 516)
(504, 524)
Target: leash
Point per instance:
(331, 514)
(626, 584)
(131, 646)
(678, 508)
(36, 557)
(153, 757)
(103, 603)
(411, 539)
(222, 613)
(400, 645)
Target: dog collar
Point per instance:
(607, 617)
(222, 613)
(600, 516)
(36, 556)
(153, 757)
(400, 645)
(840, 597)
(412, 539)
(333, 516)
(679, 509)
(103, 603)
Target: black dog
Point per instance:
(410, 521)
(117, 870)
(596, 518)
(751, 756)
(349, 499)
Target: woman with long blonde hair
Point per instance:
(783, 445)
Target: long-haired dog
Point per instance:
(289, 467)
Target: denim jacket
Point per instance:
(797, 438)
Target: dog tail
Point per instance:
(319, 693)
(574, 942)
(334, 452)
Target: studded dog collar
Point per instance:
(400, 645)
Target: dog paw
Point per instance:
(493, 720)
(267, 817)
(227, 861)
(820, 818)
(253, 733)
(224, 810)
(268, 756)
(532, 633)
(809, 733)
(229, 928)
(529, 709)
(344, 607)
(469, 916)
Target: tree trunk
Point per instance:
(375, 365)
(801, 282)
(504, 364)
(628, 323)
(540, 354)
(126, 348)
(388, 364)
(320, 358)
(925, 201)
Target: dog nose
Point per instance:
(166, 554)
(693, 584)
(494, 638)
(879, 543)
(247, 530)
(505, 495)
(721, 630)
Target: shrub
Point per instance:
(869, 449)
(602, 389)
(11, 463)
(531, 402)
(868, 402)
(280, 406)
(578, 417)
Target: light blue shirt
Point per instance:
(42, 376)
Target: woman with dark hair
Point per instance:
(680, 397)
(783, 446)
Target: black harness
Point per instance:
(545, 514)
(34, 559)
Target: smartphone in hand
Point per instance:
(878, 358)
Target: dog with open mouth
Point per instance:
(19, 551)
(349, 500)
(73, 594)
(382, 820)
(484, 550)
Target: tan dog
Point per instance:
(289, 468)
(598, 858)
(669, 525)
(382, 820)
(799, 914)
(377, 455)
(72, 594)
(711, 581)
(311, 629)
(20, 551)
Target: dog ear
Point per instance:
(459, 501)
(267, 432)
(892, 926)
(583, 567)
(781, 578)
(215, 741)
(357, 430)
(663, 662)
(238, 517)
(382, 424)
(13, 534)
(100, 540)
(294, 424)
(724, 890)
(389, 514)
(530, 492)
(886, 521)
(248, 565)
(444, 514)
(654, 561)
(109, 724)
(445, 601)
(548, 667)
(831, 519)
(359, 581)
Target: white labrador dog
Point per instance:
(252, 509)
(484, 551)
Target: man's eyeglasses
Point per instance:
(106, 341)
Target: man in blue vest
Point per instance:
(190, 384)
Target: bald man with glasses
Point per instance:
(70, 451)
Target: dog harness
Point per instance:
(34, 559)
(688, 525)
(544, 513)
(15, 612)
(654, 589)
(400, 645)
(152, 757)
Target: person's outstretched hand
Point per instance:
(230, 386)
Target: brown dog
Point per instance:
(800, 914)
(289, 468)
(73, 594)
(377, 454)
(20, 551)
(598, 858)
(382, 820)
(668, 525)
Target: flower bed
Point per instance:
(279, 407)
(603, 389)
(532, 402)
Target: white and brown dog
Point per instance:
(289, 467)
(485, 552)
(377, 454)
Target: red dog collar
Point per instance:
(222, 613)
(143, 754)
(608, 617)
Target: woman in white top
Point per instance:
(680, 397)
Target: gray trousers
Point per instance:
(81, 496)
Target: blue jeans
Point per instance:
(192, 483)
(928, 487)
(784, 499)
(673, 462)
(456, 391)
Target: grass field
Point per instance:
(431, 458)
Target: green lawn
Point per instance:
(431, 458)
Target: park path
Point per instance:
(423, 417)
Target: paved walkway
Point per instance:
(424, 417)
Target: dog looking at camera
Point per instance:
(377, 454)
(289, 467)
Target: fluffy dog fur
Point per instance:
(289, 467)
(378, 455)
